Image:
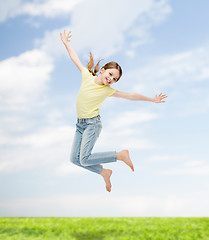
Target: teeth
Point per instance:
(107, 81)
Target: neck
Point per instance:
(98, 80)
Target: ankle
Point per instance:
(103, 172)
(120, 155)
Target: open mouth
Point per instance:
(107, 81)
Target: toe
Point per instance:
(108, 189)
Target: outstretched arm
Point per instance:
(73, 55)
(138, 97)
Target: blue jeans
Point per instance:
(87, 132)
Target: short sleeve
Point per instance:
(110, 91)
(85, 74)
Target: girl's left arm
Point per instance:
(137, 97)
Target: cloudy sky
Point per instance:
(162, 46)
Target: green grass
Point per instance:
(104, 228)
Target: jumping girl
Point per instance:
(93, 91)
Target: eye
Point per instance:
(110, 74)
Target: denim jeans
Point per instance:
(87, 132)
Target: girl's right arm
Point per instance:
(73, 55)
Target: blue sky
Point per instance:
(162, 46)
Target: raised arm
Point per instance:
(73, 55)
(138, 97)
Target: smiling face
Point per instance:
(109, 76)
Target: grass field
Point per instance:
(104, 228)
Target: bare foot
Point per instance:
(124, 156)
(106, 174)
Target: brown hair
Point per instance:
(109, 65)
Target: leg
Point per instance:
(89, 138)
(75, 152)
(106, 173)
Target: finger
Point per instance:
(163, 96)
(61, 34)
(68, 39)
(64, 32)
(69, 32)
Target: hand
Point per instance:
(65, 38)
(158, 98)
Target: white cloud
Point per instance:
(8, 8)
(51, 43)
(130, 53)
(116, 206)
(179, 76)
(125, 18)
(128, 118)
(50, 147)
(45, 137)
(188, 165)
(24, 78)
(105, 35)
(194, 163)
(166, 71)
(46, 8)
(12, 124)
(122, 139)
(157, 12)
(188, 170)
(123, 131)
(68, 168)
(168, 158)
(46, 147)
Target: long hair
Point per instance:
(109, 65)
(90, 65)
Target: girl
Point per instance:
(93, 91)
